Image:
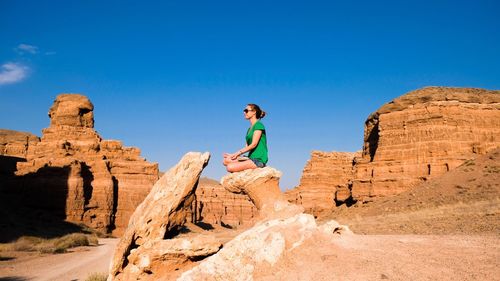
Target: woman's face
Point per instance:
(248, 112)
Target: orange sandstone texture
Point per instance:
(216, 205)
(413, 138)
(325, 181)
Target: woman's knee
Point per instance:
(230, 167)
(240, 166)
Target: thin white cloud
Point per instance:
(25, 48)
(12, 72)
(51, 53)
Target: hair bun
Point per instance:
(262, 114)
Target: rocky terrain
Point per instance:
(414, 138)
(152, 249)
(287, 244)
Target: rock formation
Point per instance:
(409, 140)
(144, 249)
(282, 228)
(152, 248)
(75, 173)
(216, 205)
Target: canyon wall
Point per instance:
(407, 141)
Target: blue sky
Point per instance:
(174, 76)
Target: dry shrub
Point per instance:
(56, 245)
(97, 277)
(93, 240)
(24, 243)
(60, 245)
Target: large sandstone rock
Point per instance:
(216, 206)
(159, 216)
(75, 174)
(409, 140)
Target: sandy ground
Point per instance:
(350, 257)
(391, 257)
(76, 265)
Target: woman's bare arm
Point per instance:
(255, 141)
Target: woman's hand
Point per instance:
(231, 156)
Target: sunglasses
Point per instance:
(246, 110)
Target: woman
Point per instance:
(256, 144)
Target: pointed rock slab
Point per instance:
(262, 186)
(162, 211)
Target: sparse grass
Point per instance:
(492, 169)
(88, 230)
(53, 246)
(97, 277)
(469, 162)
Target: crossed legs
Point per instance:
(238, 166)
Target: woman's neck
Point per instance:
(253, 120)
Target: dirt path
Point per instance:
(76, 265)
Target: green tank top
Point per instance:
(260, 151)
